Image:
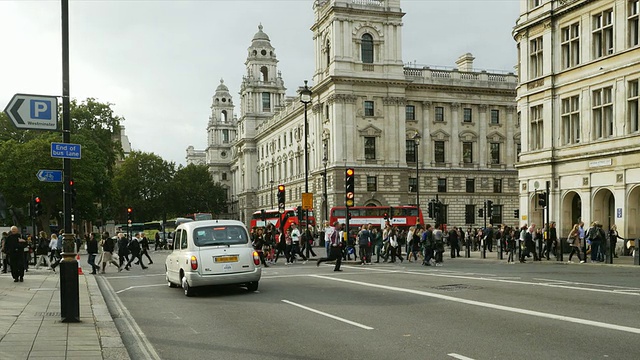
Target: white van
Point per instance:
(212, 252)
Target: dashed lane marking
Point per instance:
(328, 315)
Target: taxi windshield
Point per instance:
(220, 235)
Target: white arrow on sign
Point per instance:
(35, 112)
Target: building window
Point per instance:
(471, 185)
(266, 101)
(467, 115)
(467, 152)
(413, 184)
(370, 148)
(442, 185)
(439, 113)
(225, 136)
(367, 49)
(634, 28)
(326, 112)
(518, 151)
(496, 214)
(602, 113)
(438, 151)
(537, 126)
(633, 109)
(469, 214)
(534, 3)
(495, 117)
(570, 45)
(497, 186)
(570, 120)
(535, 58)
(224, 176)
(494, 148)
(602, 34)
(411, 151)
(410, 112)
(372, 183)
(368, 108)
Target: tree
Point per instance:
(193, 190)
(141, 184)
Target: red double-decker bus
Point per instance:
(400, 216)
(290, 216)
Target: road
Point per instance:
(467, 309)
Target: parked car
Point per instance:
(212, 252)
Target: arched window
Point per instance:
(328, 52)
(264, 74)
(224, 116)
(367, 49)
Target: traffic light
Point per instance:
(481, 213)
(489, 209)
(350, 187)
(129, 215)
(300, 214)
(263, 215)
(37, 206)
(516, 213)
(281, 198)
(430, 210)
(73, 191)
(386, 216)
(542, 199)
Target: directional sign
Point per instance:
(65, 151)
(36, 112)
(49, 175)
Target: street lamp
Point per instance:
(271, 191)
(416, 141)
(305, 98)
(324, 192)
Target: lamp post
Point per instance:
(416, 141)
(324, 185)
(305, 98)
(271, 191)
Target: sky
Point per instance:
(159, 62)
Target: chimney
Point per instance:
(465, 62)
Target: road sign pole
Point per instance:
(69, 282)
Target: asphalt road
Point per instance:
(467, 309)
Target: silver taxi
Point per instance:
(212, 252)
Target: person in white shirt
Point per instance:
(295, 245)
(333, 234)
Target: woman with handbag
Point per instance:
(574, 241)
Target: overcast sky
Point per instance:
(160, 62)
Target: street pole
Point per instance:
(305, 98)
(324, 191)
(69, 282)
(484, 232)
(416, 141)
(271, 191)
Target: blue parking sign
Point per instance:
(40, 109)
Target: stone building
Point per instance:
(579, 65)
(367, 108)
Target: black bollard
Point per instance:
(69, 291)
(500, 256)
(484, 248)
(467, 251)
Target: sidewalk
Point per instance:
(31, 327)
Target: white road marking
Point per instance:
(461, 357)
(134, 276)
(489, 305)
(590, 284)
(138, 286)
(328, 315)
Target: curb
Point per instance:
(110, 340)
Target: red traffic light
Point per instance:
(70, 182)
(129, 210)
(37, 199)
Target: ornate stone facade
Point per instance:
(578, 103)
(366, 108)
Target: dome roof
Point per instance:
(260, 35)
(222, 87)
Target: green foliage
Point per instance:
(193, 190)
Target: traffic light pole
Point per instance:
(483, 253)
(69, 282)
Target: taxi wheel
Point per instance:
(252, 286)
(188, 290)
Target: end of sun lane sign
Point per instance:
(35, 112)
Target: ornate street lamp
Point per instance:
(305, 98)
(416, 141)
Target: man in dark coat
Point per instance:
(14, 247)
